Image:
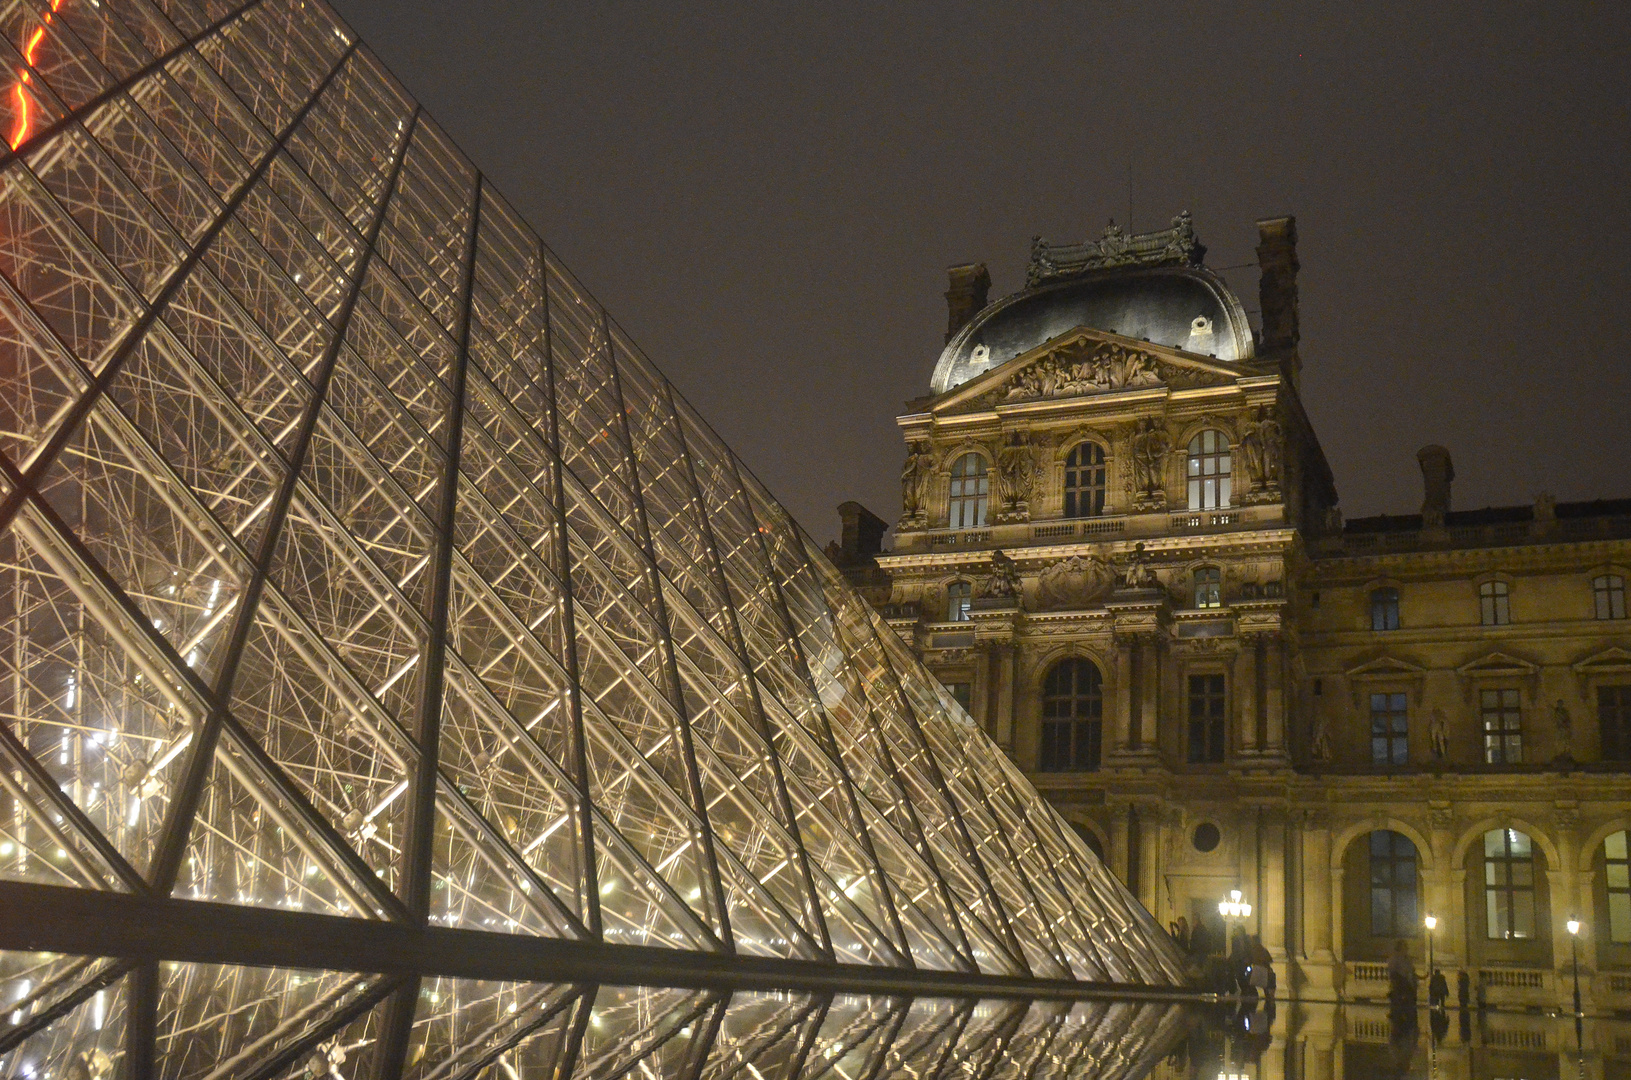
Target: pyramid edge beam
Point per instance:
(50, 918)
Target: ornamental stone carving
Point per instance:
(1015, 479)
(1150, 446)
(1083, 367)
(1004, 583)
(1075, 583)
(915, 479)
(1262, 442)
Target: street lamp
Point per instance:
(1432, 924)
(1574, 955)
(1232, 908)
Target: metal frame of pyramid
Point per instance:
(371, 603)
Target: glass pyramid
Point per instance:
(356, 565)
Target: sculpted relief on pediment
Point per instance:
(1093, 367)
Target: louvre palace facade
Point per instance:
(1122, 553)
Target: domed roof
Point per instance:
(1182, 306)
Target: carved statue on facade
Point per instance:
(1565, 729)
(1438, 732)
(915, 478)
(1004, 583)
(1138, 574)
(1015, 479)
(1261, 450)
(1075, 583)
(1150, 445)
(1320, 745)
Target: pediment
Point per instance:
(1496, 664)
(1611, 661)
(1085, 363)
(1386, 667)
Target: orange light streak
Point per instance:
(20, 132)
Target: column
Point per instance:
(983, 693)
(1149, 691)
(1274, 693)
(1246, 694)
(1272, 884)
(1118, 846)
(1124, 693)
(1003, 728)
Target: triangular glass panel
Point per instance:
(86, 1038)
(465, 1027)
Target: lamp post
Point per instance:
(1232, 908)
(1432, 923)
(1574, 956)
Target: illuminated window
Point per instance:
(1617, 869)
(1608, 596)
(1084, 481)
(1392, 885)
(1208, 471)
(1493, 604)
(959, 596)
(1072, 717)
(1614, 721)
(1384, 609)
(1503, 727)
(1208, 587)
(1389, 729)
(1208, 722)
(1509, 885)
(970, 489)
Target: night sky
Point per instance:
(767, 195)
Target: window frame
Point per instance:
(959, 600)
(1614, 721)
(966, 508)
(1503, 741)
(1618, 885)
(1502, 883)
(1208, 582)
(1400, 921)
(1384, 608)
(1209, 471)
(1608, 596)
(1494, 603)
(1207, 726)
(1097, 470)
(1394, 736)
(1072, 718)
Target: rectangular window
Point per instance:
(1503, 727)
(1208, 722)
(1392, 885)
(1208, 587)
(1389, 729)
(963, 694)
(1509, 885)
(1617, 867)
(1384, 609)
(959, 598)
(1608, 596)
(1494, 603)
(1614, 721)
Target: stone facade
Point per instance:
(1273, 700)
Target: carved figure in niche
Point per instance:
(1565, 729)
(1004, 583)
(1015, 479)
(1138, 574)
(1438, 732)
(1320, 745)
(1260, 449)
(915, 478)
(1150, 444)
(1075, 583)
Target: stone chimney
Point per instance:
(966, 295)
(1436, 474)
(1277, 287)
(862, 535)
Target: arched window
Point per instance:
(1494, 603)
(1392, 885)
(1072, 716)
(1608, 596)
(1384, 609)
(959, 596)
(1084, 481)
(1509, 885)
(970, 489)
(1209, 471)
(1617, 867)
(1208, 587)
